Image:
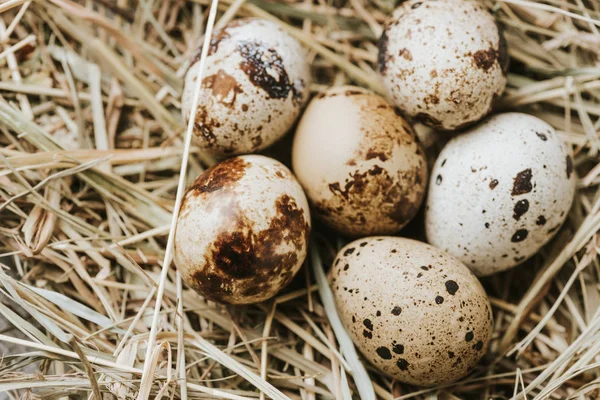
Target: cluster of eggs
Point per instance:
(497, 193)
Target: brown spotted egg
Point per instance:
(415, 312)
(443, 62)
(499, 192)
(243, 230)
(359, 162)
(255, 83)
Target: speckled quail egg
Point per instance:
(359, 162)
(443, 62)
(415, 312)
(242, 231)
(255, 83)
(499, 192)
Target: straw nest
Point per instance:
(90, 134)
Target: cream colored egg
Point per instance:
(499, 192)
(443, 62)
(255, 83)
(359, 162)
(415, 312)
(243, 230)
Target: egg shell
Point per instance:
(443, 62)
(359, 162)
(415, 312)
(499, 192)
(254, 86)
(242, 231)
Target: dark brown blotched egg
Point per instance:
(243, 230)
(254, 86)
(360, 163)
(415, 312)
(443, 62)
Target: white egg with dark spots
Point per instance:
(415, 312)
(443, 62)
(243, 229)
(499, 192)
(255, 83)
(360, 163)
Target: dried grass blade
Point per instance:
(361, 377)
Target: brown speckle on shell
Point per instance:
(485, 59)
(224, 87)
(520, 208)
(519, 236)
(264, 67)
(522, 182)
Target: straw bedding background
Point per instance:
(90, 149)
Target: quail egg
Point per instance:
(359, 162)
(254, 86)
(443, 62)
(499, 192)
(415, 312)
(242, 231)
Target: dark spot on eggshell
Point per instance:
(431, 99)
(469, 336)
(569, 166)
(223, 174)
(485, 59)
(398, 349)
(247, 259)
(522, 182)
(493, 183)
(479, 345)
(542, 136)
(349, 251)
(450, 354)
(402, 364)
(204, 125)
(363, 244)
(396, 310)
(367, 334)
(416, 5)
(368, 324)
(541, 220)
(439, 299)
(451, 287)
(438, 180)
(224, 87)
(520, 208)
(406, 54)
(384, 353)
(264, 68)
(519, 236)
(346, 267)
(382, 57)
(372, 154)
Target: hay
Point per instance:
(90, 135)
